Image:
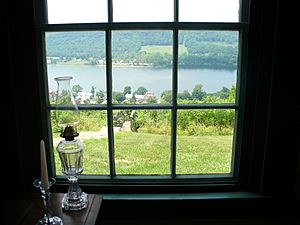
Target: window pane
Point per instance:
(209, 10)
(93, 133)
(143, 10)
(142, 63)
(82, 56)
(77, 11)
(142, 141)
(204, 141)
(207, 66)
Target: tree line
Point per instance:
(189, 122)
(205, 49)
(197, 93)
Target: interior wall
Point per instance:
(23, 122)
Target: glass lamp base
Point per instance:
(78, 203)
(51, 220)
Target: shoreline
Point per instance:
(133, 66)
(103, 65)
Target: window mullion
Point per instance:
(174, 103)
(110, 10)
(176, 10)
(110, 131)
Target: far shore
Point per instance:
(101, 65)
(119, 65)
(123, 65)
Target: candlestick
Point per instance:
(48, 218)
(44, 169)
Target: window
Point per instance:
(159, 85)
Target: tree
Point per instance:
(152, 100)
(185, 95)
(166, 96)
(127, 90)
(100, 96)
(119, 96)
(141, 91)
(231, 97)
(224, 93)
(133, 99)
(76, 89)
(93, 91)
(198, 92)
(133, 124)
(119, 118)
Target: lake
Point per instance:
(154, 80)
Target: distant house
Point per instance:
(101, 62)
(137, 97)
(84, 96)
(51, 59)
(148, 94)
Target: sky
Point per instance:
(89, 11)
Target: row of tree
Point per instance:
(189, 122)
(205, 49)
(197, 93)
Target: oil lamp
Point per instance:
(70, 149)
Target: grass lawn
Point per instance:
(144, 153)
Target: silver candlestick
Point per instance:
(48, 218)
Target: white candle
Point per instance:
(44, 170)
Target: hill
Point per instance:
(198, 49)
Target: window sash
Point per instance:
(242, 27)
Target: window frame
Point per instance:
(161, 182)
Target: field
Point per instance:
(144, 153)
(163, 49)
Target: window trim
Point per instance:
(113, 179)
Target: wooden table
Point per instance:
(28, 209)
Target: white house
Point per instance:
(137, 97)
(84, 96)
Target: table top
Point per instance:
(28, 208)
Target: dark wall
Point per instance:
(23, 128)
(282, 149)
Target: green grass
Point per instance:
(204, 154)
(163, 49)
(143, 153)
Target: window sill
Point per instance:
(184, 196)
(195, 206)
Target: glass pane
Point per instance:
(143, 10)
(142, 62)
(209, 10)
(80, 55)
(142, 141)
(93, 133)
(207, 66)
(77, 11)
(204, 141)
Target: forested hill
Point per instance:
(205, 49)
